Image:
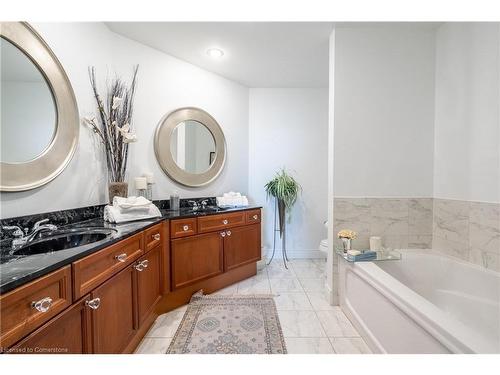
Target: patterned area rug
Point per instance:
(241, 324)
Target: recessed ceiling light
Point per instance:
(215, 53)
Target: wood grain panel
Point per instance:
(220, 222)
(96, 268)
(196, 258)
(241, 246)
(18, 316)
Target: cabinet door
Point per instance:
(114, 318)
(149, 293)
(196, 258)
(67, 333)
(241, 246)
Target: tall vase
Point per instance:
(117, 189)
(281, 216)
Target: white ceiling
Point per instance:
(257, 54)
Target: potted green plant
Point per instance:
(285, 189)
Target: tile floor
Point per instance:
(310, 324)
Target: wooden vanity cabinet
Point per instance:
(68, 333)
(242, 245)
(114, 318)
(196, 258)
(224, 242)
(113, 314)
(149, 285)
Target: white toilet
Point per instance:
(323, 245)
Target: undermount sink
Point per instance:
(67, 239)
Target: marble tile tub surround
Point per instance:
(464, 229)
(468, 230)
(401, 222)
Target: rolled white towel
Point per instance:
(231, 194)
(113, 214)
(132, 204)
(241, 201)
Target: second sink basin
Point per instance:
(67, 239)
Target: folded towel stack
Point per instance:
(130, 209)
(357, 256)
(232, 199)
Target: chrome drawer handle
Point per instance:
(224, 222)
(144, 263)
(223, 234)
(255, 217)
(228, 232)
(121, 257)
(43, 305)
(185, 228)
(93, 303)
(156, 236)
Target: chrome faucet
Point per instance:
(20, 239)
(194, 204)
(204, 203)
(40, 227)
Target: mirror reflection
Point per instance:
(192, 146)
(27, 108)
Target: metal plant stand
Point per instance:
(283, 238)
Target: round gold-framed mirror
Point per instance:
(39, 123)
(190, 146)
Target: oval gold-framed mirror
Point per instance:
(39, 123)
(190, 146)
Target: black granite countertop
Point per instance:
(20, 270)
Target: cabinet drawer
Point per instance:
(96, 268)
(216, 222)
(153, 237)
(183, 227)
(20, 315)
(253, 216)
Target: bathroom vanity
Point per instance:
(103, 297)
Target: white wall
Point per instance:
(467, 121)
(384, 103)
(164, 84)
(289, 128)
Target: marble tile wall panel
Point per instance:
(401, 222)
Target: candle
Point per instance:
(141, 183)
(149, 177)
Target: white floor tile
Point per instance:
(300, 324)
(311, 272)
(313, 285)
(319, 301)
(231, 289)
(154, 345)
(280, 272)
(336, 324)
(166, 325)
(345, 345)
(285, 285)
(292, 301)
(254, 286)
(308, 345)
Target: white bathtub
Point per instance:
(423, 303)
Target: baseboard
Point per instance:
(295, 254)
